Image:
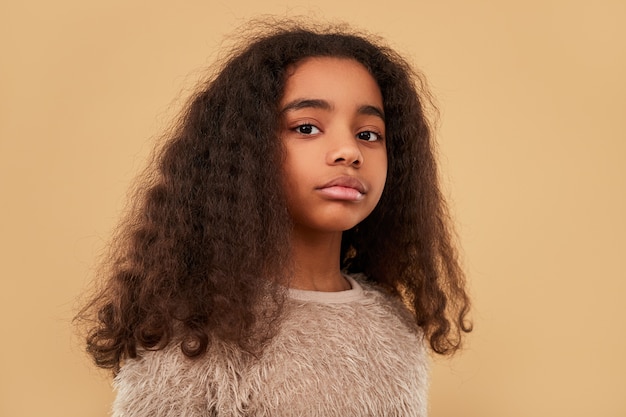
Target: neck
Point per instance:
(316, 261)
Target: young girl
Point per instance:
(291, 255)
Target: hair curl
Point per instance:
(208, 238)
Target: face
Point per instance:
(333, 132)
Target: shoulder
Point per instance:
(386, 300)
(168, 383)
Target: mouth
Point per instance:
(344, 188)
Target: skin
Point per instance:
(333, 129)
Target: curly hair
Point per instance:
(207, 239)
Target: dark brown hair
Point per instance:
(208, 238)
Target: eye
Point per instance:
(369, 136)
(307, 129)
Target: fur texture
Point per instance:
(350, 353)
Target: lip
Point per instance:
(345, 187)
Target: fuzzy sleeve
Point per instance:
(160, 384)
(166, 383)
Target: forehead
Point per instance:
(331, 78)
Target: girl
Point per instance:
(291, 255)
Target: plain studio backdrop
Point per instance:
(533, 155)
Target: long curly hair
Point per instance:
(206, 242)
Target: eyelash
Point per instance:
(298, 129)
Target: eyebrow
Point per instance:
(372, 111)
(299, 104)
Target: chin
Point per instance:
(340, 226)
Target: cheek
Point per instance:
(295, 177)
(381, 171)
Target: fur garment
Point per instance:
(348, 353)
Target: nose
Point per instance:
(345, 150)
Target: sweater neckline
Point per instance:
(333, 297)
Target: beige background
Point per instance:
(533, 144)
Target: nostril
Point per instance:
(354, 161)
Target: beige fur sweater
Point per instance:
(349, 353)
